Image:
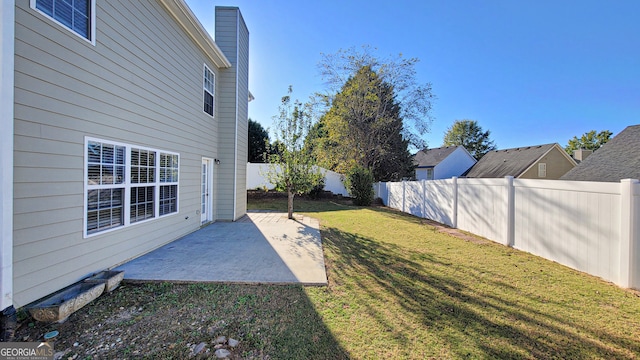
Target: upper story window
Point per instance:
(76, 15)
(209, 90)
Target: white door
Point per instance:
(206, 203)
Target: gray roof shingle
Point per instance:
(432, 157)
(508, 162)
(617, 159)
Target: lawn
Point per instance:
(397, 289)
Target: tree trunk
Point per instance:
(290, 204)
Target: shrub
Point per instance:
(316, 192)
(360, 186)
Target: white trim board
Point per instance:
(7, 52)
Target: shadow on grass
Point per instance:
(471, 316)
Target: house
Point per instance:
(548, 161)
(442, 162)
(124, 127)
(618, 159)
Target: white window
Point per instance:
(430, 174)
(76, 15)
(209, 90)
(127, 184)
(105, 186)
(168, 183)
(143, 178)
(542, 170)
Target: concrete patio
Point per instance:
(261, 247)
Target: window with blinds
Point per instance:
(127, 184)
(209, 90)
(75, 15)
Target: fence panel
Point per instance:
(593, 227)
(574, 223)
(380, 191)
(482, 207)
(257, 178)
(414, 198)
(334, 182)
(395, 195)
(439, 201)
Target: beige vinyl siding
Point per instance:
(557, 165)
(141, 84)
(243, 115)
(226, 38)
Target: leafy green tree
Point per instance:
(471, 136)
(258, 142)
(317, 135)
(591, 140)
(292, 167)
(363, 127)
(402, 94)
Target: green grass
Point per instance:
(398, 289)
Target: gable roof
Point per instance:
(508, 162)
(618, 159)
(432, 157)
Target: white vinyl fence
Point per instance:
(589, 226)
(257, 178)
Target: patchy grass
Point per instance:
(165, 320)
(397, 289)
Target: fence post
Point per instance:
(404, 194)
(628, 232)
(454, 216)
(386, 192)
(424, 198)
(511, 209)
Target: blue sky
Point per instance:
(531, 72)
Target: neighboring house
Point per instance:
(442, 163)
(124, 127)
(618, 159)
(548, 161)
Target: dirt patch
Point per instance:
(150, 321)
(442, 228)
(457, 233)
(189, 321)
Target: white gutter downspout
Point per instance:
(7, 52)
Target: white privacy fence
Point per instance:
(589, 226)
(257, 178)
